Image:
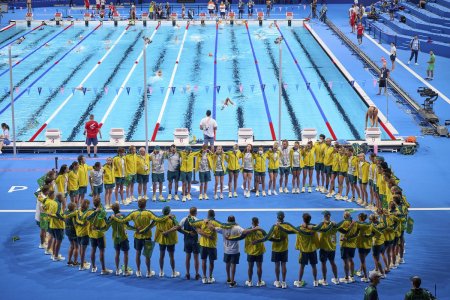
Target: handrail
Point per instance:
(371, 25)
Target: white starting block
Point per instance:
(373, 134)
(87, 18)
(202, 18)
(181, 137)
(29, 18)
(144, 18)
(53, 136)
(117, 136)
(174, 17)
(309, 134)
(245, 136)
(58, 18)
(116, 18)
(260, 17)
(289, 17)
(231, 15)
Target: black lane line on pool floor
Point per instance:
(33, 44)
(36, 69)
(330, 92)
(195, 71)
(287, 101)
(99, 96)
(140, 109)
(237, 80)
(12, 36)
(32, 120)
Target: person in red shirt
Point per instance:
(353, 20)
(87, 4)
(91, 130)
(360, 32)
(112, 9)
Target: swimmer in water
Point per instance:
(80, 37)
(210, 54)
(159, 73)
(147, 40)
(271, 25)
(372, 116)
(70, 42)
(227, 103)
(80, 88)
(20, 40)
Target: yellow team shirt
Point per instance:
(277, 233)
(142, 220)
(130, 164)
(354, 163)
(73, 181)
(143, 164)
(260, 162)
(343, 163)
(274, 159)
(61, 183)
(81, 225)
(108, 174)
(364, 241)
(327, 239)
(83, 171)
(257, 249)
(187, 161)
(215, 158)
(336, 161)
(328, 156)
(94, 224)
(119, 166)
(319, 150)
(232, 158)
(309, 157)
(171, 238)
(204, 226)
(54, 210)
(363, 171)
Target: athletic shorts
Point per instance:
(363, 251)
(319, 167)
(248, 171)
(133, 178)
(173, 175)
(72, 238)
(359, 36)
(222, 14)
(285, 170)
(120, 180)
(233, 171)
(83, 240)
(206, 252)
(393, 57)
(170, 248)
(73, 193)
(388, 243)
(308, 168)
(382, 83)
(204, 176)
(186, 177)
(260, 174)
(140, 243)
(351, 178)
(308, 257)
(58, 234)
(395, 242)
(219, 173)
(296, 169)
(347, 252)
(335, 173)
(109, 186)
(91, 141)
(191, 247)
(211, 11)
(325, 255)
(82, 190)
(142, 178)
(100, 243)
(279, 256)
(377, 250)
(343, 174)
(122, 246)
(97, 189)
(208, 140)
(327, 169)
(231, 258)
(255, 258)
(157, 177)
(272, 170)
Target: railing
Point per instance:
(378, 33)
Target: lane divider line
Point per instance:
(8, 27)
(169, 87)
(215, 73)
(28, 32)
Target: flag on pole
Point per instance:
(173, 89)
(161, 89)
(128, 90)
(218, 89)
(252, 87)
(39, 90)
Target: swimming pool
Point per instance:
(104, 59)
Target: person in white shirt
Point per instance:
(231, 252)
(4, 138)
(393, 55)
(209, 127)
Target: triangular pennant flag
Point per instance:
(128, 90)
(117, 90)
(296, 87)
(73, 90)
(184, 89)
(274, 87)
(308, 84)
(84, 91)
(241, 88)
(28, 91)
(139, 90)
(263, 87)
(330, 84)
(39, 90)
(161, 89)
(218, 89)
(196, 88)
(352, 82)
(95, 90)
(252, 87)
(319, 84)
(207, 88)
(173, 89)
(61, 90)
(17, 89)
(285, 85)
(106, 89)
(229, 88)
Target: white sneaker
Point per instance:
(161, 274)
(216, 197)
(335, 281)
(359, 201)
(106, 272)
(86, 266)
(59, 258)
(154, 198)
(315, 283)
(303, 189)
(200, 197)
(204, 280)
(317, 189)
(94, 270)
(351, 279)
(48, 252)
(169, 197)
(269, 192)
(299, 283)
(416, 64)
(286, 190)
(145, 197)
(128, 273)
(183, 199)
(329, 195)
(345, 198)
(280, 190)
(118, 272)
(324, 191)
(134, 198)
(248, 283)
(277, 284)
(221, 196)
(257, 193)
(358, 273)
(176, 198)
(364, 279)
(344, 280)
(205, 197)
(333, 193)
(294, 190)
(264, 193)
(235, 195)
(230, 195)
(189, 197)
(392, 266)
(260, 283)
(402, 260)
(211, 280)
(152, 273)
(138, 274)
(161, 198)
(323, 282)
(175, 274)
(41, 246)
(310, 190)
(275, 193)
(283, 285)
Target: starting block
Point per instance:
(117, 136)
(289, 17)
(144, 18)
(116, 18)
(260, 17)
(373, 134)
(174, 17)
(245, 136)
(309, 134)
(181, 137)
(53, 136)
(231, 17)
(58, 18)
(202, 18)
(87, 18)
(29, 18)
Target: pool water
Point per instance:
(192, 91)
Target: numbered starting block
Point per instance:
(289, 17)
(245, 136)
(58, 18)
(174, 17)
(116, 18)
(52, 137)
(87, 18)
(231, 16)
(145, 18)
(29, 18)
(373, 135)
(181, 137)
(117, 136)
(260, 17)
(202, 18)
(309, 134)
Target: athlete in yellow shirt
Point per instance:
(353, 173)
(143, 173)
(62, 180)
(232, 157)
(260, 170)
(83, 177)
(308, 154)
(186, 167)
(343, 170)
(108, 181)
(327, 163)
(319, 151)
(131, 161)
(363, 179)
(119, 167)
(273, 155)
(73, 183)
(56, 225)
